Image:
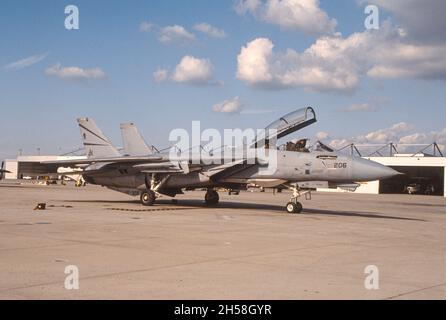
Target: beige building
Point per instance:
(425, 173)
(31, 166)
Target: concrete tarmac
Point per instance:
(246, 248)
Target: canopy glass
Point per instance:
(292, 122)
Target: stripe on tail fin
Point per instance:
(96, 144)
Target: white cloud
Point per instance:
(361, 107)
(229, 106)
(27, 62)
(254, 62)
(423, 20)
(190, 70)
(75, 72)
(145, 26)
(210, 30)
(302, 15)
(381, 136)
(386, 135)
(160, 75)
(244, 6)
(426, 138)
(193, 70)
(398, 134)
(405, 60)
(322, 135)
(175, 34)
(335, 63)
(317, 69)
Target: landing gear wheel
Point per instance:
(211, 198)
(294, 207)
(148, 198)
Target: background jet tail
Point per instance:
(134, 143)
(96, 144)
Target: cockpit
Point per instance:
(298, 146)
(302, 145)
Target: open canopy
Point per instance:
(293, 121)
(288, 124)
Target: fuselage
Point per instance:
(280, 166)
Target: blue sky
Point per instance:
(105, 70)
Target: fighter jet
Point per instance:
(150, 174)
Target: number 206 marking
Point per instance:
(340, 165)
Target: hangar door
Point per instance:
(33, 169)
(416, 180)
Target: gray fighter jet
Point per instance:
(146, 173)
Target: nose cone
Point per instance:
(367, 170)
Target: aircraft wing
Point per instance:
(144, 164)
(226, 170)
(78, 162)
(184, 167)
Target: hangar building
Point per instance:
(30, 166)
(423, 172)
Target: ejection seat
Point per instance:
(299, 146)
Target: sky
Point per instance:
(229, 64)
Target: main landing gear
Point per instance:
(211, 198)
(148, 198)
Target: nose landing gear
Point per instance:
(294, 206)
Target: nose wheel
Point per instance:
(294, 207)
(211, 198)
(148, 198)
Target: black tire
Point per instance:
(148, 198)
(294, 207)
(211, 198)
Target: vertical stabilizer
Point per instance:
(134, 143)
(96, 144)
